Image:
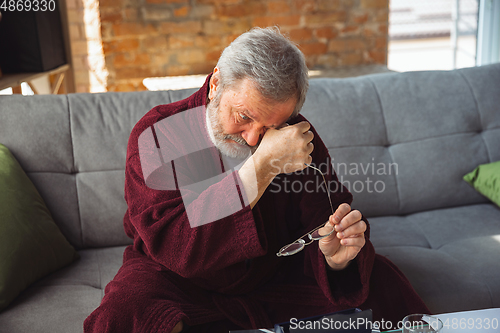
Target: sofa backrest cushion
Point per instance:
(402, 142)
(408, 138)
(73, 148)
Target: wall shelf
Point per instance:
(14, 80)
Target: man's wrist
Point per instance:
(332, 266)
(263, 168)
(256, 176)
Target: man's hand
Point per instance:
(281, 150)
(287, 149)
(343, 245)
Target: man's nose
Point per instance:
(252, 136)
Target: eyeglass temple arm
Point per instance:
(326, 186)
(329, 200)
(304, 235)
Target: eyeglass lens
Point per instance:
(315, 235)
(292, 248)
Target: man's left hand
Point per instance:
(344, 244)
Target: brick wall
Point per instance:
(148, 38)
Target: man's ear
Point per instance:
(214, 84)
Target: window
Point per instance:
(432, 34)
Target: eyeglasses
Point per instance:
(313, 235)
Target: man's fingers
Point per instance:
(355, 241)
(341, 211)
(349, 219)
(310, 148)
(328, 228)
(309, 136)
(353, 230)
(304, 126)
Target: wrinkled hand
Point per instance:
(343, 245)
(287, 149)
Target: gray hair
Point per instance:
(271, 61)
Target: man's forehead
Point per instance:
(275, 122)
(251, 101)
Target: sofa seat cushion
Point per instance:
(61, 301)
(449, 255)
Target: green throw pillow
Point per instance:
(486, 180)
(31, 245)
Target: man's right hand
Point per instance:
(281, 150)
(287, 149)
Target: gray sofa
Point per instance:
(400, 141)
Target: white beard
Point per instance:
(238, 149)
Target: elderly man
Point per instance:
(215, 245)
